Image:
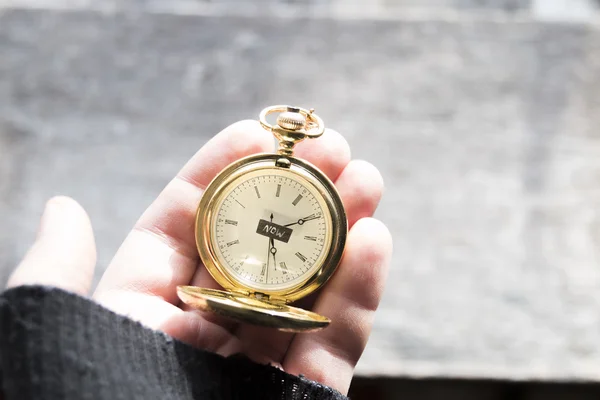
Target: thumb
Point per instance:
(64, 253)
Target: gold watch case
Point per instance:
(269, 307)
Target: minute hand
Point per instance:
(303, 220)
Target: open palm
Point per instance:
(160, 253)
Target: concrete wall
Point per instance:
(482, 115)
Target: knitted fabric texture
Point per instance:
(57, 345)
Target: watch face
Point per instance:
(271, 229)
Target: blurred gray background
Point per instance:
(483, 116)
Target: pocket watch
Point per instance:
(270, 229)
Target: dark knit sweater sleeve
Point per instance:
(57, 345)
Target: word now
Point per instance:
(274, 231)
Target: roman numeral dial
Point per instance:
(271, 229)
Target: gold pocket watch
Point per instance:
(270, 229)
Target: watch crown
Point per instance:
(292, 121)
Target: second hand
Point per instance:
(268, 259)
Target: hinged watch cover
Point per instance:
(252, 310)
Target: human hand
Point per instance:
(160, 253)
